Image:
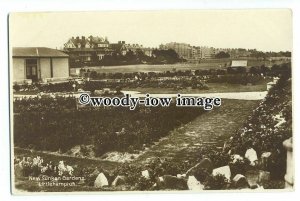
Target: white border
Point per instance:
(7, 6)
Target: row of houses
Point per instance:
(92, 49)
(189, 52)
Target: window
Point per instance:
(102, 45)
(100, 56)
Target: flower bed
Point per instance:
(55, 125)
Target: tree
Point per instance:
(222, 54)
(254, 70)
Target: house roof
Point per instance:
(37, 52)
(98, 40)
(117, 46)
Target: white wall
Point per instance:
(18, 69)
(60, 67)
(45, 68)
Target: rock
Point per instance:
(205, 163)
(181, 175)
(236, 158)
(171, 182)
(101, 181)
(263, 176)
(240, 181)
(119, 180)
(69, 169)
(194, 184)
(251, 156)
(225, 170)
(146, 174)
(266, 155)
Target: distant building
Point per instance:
(239, 63)
(93, 49)
(148, 51)
(122, 48)
(119, 48)
(191, 53)
(206, 52)
(31, 64)
(182, 49)
(87, 49)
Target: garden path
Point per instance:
(211, 129)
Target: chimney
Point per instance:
(72, 37)
(83, 38)
(77, 37)
(123, 42)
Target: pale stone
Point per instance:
(225, 170)
(236, 158)
(194, 184)
(266, 154)
(251, 156)
(146, 174)
(101, 181)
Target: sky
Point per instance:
(261, 29)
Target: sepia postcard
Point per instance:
(159, 101)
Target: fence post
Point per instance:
(289, 176)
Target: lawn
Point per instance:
(213, 88)
(203, 65)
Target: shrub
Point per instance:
(202, 174)
(218, 182)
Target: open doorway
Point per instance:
(31, 69)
